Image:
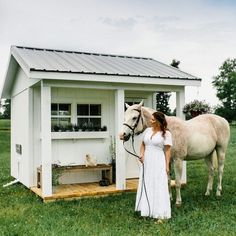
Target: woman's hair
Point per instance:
(160, 117)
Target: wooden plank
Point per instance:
(74, 191)
(77, 191)
(106, 169)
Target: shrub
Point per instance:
(196, 107)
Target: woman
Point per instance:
(153, 198)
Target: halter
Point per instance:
(136, 124)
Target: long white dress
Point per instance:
(156, 194)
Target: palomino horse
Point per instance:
(192, 140)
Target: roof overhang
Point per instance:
(9, 77)
(114, 78)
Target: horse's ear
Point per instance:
(140, 104)
(127, 105)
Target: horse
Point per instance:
(195, 139)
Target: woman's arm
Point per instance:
(167, 155)
(142, 150)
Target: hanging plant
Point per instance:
(196, 108)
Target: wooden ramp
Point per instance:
(76, 191)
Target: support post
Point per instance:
(31, 136)
(120, 152)
(46, 149)
(154, 101)
(180, 102)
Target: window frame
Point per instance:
(89, 116)
(58, 116)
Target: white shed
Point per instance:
(52, 89)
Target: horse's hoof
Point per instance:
(218, 194)
(207, 193)
(159, 221)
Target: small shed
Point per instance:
(66, 105)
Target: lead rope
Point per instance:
(143, 179)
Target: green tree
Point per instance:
(6, 107)
(175, 63)
(225, 84)
(162, 102)
(162, 98)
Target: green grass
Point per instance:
(5, 124)
(22, 213)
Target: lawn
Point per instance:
(4, 124)
(23, 213)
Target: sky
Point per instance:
(201, 34)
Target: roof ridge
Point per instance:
(79, 52)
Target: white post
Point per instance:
(46, 152)
(120, 152)
(31, 137)
(154, 101)
(180, 102)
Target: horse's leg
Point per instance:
(169, 178)
(221, 158)
(178, 174)
(169, 185)
(209, 162)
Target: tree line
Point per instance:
(5, 108)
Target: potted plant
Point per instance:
(75, 128)
(69, 128)
(113, 157)
(104, 128)
(55, 128)
(90, 126)
(84, 126)
(56, 174)
(196, 108)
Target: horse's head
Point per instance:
(133, 121)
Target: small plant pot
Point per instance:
(104, 128)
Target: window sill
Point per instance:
(80, 135)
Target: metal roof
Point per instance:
(50, 60)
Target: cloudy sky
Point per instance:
(201, 34)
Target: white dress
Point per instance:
(156, 194)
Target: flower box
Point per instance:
(80, 135)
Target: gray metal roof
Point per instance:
(49, 60)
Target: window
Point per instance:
(89, 116)
(60, 114)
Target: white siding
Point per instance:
(37, 160)
(20, 83)
(20, 130)
(73, 151)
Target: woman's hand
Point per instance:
(141, 158)
(167, 155)
(167, 170)
(142, 151)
